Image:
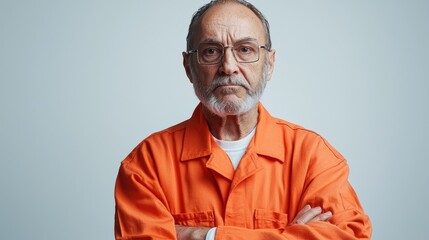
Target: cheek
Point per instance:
(205, 75)
(253, 74)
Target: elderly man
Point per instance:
(232, 171)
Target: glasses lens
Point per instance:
(210, 53)
(247, 51)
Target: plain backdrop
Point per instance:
(83, 82)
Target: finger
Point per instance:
(310, 214)
(321, 217)
(183, 232)
(302, 212)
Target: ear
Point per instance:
(186, 65)
(271, 60)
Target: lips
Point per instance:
(230, 85)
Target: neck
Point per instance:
(231, 127)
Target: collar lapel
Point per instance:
(197, 139)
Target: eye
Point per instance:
(245, 49)
(211, 50)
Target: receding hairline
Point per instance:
(199, 15)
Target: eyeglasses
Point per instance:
(210, 53)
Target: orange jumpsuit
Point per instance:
(181, 176)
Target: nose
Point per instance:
(229, 66)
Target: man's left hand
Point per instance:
(309, 214)
(191, 233)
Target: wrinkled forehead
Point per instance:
(228, 23)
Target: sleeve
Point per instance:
(141, 209)
(326, 185)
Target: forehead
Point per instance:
(229, 22)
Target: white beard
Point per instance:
(230, 107)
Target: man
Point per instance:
(232, 171)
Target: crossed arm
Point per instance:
(141, 211)
(305, 216)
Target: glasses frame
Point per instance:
(192, 51)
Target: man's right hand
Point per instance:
(309, 214)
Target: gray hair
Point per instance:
(197, 16)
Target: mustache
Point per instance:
(228, 80)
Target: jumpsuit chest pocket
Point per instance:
(267, 219)
(203, 219)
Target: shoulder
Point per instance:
(294, 131)
(168, 132)
(308, 140)
(157, 143)
(289, 126)
(276, 126)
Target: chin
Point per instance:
(228, 108)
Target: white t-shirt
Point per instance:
(235, 149)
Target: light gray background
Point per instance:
(82, 82)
